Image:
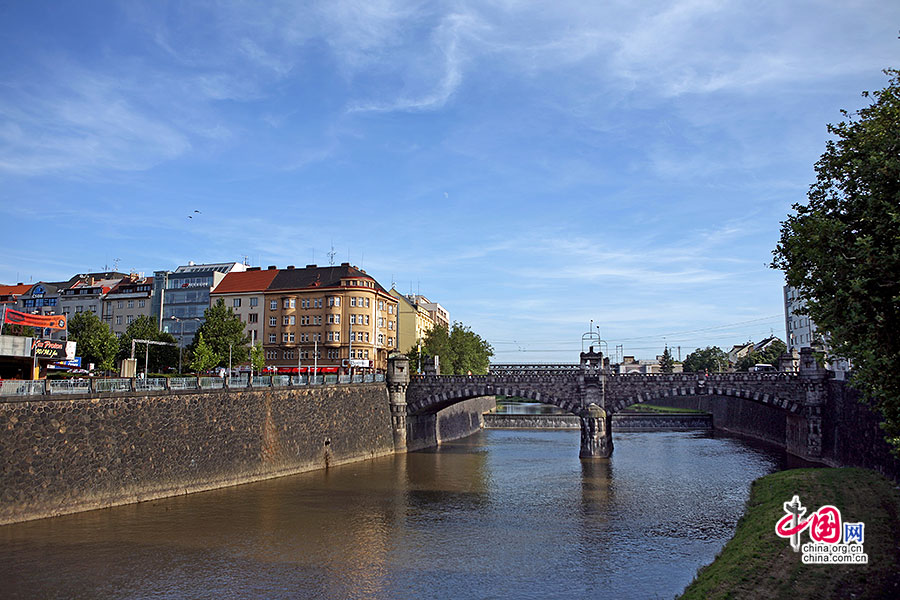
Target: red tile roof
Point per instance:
(245, 281)
(14, 289)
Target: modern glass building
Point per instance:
(181, 297)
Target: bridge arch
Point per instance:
(437, 401)
(786, 404)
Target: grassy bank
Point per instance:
(758, 564)
(652, 408)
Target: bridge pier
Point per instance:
(397, 382)
(596, 433)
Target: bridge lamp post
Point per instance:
(181, 340)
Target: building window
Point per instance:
(367, 336)
(120, 304)
(334, 301)
(390, 342)
(273, 321)
(289, 354)
(380, 339)
(352, 301)
(141, 303)
(273, 304)
(130, 319)
(367, 319)
(272, 338)
(390, 309)
(254, 301)
(271, 354)
(252, 318)
(236, 303)
(290, 302)
(118, 319)
(289, 320)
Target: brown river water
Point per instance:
(500, 514)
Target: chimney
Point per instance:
(345, 264)
(310, 266)
(290, 267)
(253, 268)
(272, 267)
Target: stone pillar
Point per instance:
(596, 433)
(815, 395)
(397, 382)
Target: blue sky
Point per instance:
(530, 166)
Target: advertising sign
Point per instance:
(53, 349)
(359, 362)
(44, 321)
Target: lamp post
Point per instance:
(181, 337)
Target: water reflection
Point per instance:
(504, 513)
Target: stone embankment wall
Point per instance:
(737, 415)
(620, 422)
(67, 455)
(454, 422)
(851, 435)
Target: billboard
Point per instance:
(58, 349)
(44, 321)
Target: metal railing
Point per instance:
(95, 385)
(153, 383)
(70, 386)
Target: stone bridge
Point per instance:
(594, 395)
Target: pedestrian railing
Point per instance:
(153, 383)
(91, 385)
(70, 386)
(110, 385)
(183, 383)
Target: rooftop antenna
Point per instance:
(116, 264)
(331, 254)
(246, 260)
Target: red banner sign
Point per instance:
(46, 321)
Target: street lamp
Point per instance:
(181, 337)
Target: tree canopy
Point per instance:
(841, 249)
(203, 357)
(222, 329)
(711, 358)
(460, 350)
(144, 328)
(96, 343)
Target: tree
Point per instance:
(204, 357)
(257, 357)
(222, 329)
(16, 329)
(711, 358)
(841, 249)
(144, 328)
(460, 350)
(96, 343)
(666, 362)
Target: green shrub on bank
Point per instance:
(756, 563)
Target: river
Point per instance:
(500, 514)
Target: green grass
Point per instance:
(758, 564)
(652, 408)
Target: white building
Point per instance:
(800, 331)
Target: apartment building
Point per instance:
(334, 316)
(415, 321)
(87, 295)
(438, 313)
(801, 332)
(244, 293)
(129, 299)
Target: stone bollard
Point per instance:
(596, 433)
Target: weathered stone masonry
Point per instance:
(79, 453)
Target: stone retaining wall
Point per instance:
(78, 453)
